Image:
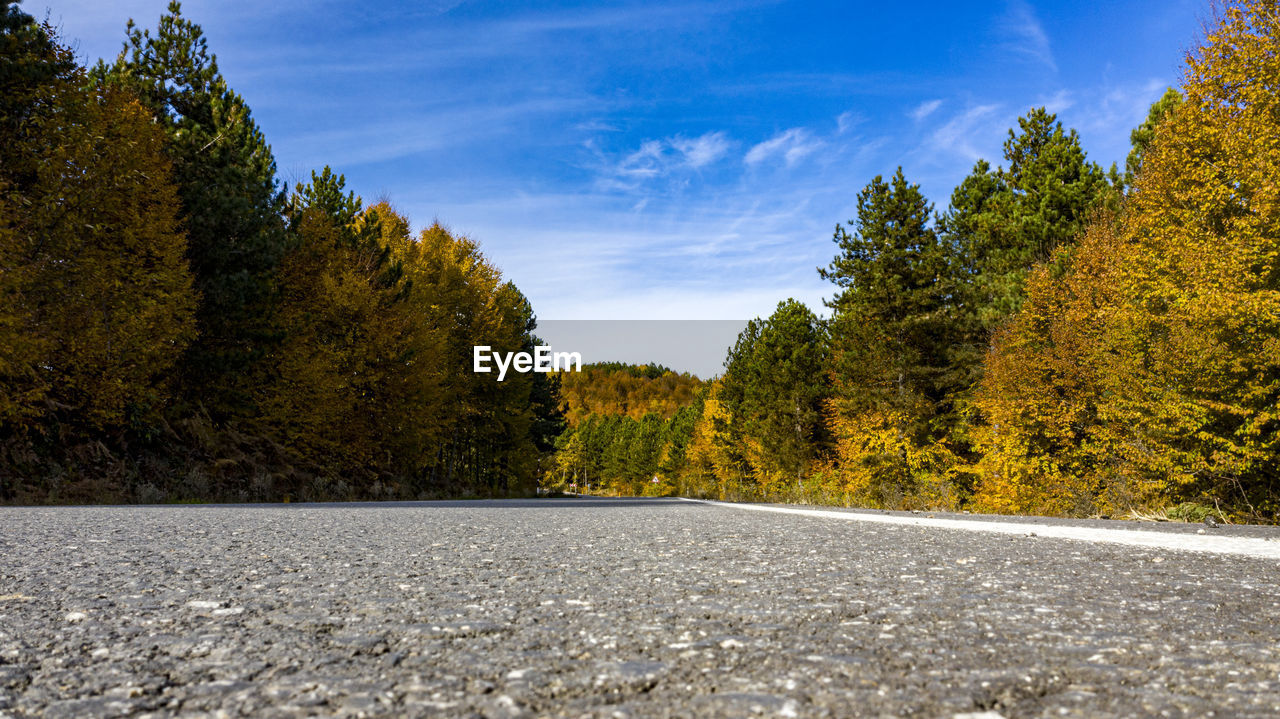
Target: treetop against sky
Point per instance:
(670, 159)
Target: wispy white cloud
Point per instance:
(607, 244)
(1022, 34)
(1058, 101)
(648, 161)
(700, 151)
(1105, 115)
(630, 17)
(962, 134)
(671, 157)
(792, 145)
(924, 109)
(383, 140)
(596, 126)
(847, 120)
(1121, 106)
(873, 83)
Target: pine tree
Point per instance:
(893, 271)
(891, 342)
(232, 205)
(1004, 222)
(775, 384)
(1142, 135)
(976, 218)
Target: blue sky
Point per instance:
(664, 160)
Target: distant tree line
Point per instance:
(609, 388)
(175, 325)
(1060, 339)
(627, 426)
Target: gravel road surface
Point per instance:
(602, 608)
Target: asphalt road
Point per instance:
(605, 608)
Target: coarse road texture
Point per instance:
(585, 607)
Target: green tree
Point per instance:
(1003, 222)
(232, 205)
(892, 337)
(1143, 134)
(893, 272)
(677, 434)
(775, 383)
(975, 219)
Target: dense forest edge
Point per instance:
(1060, 340)
(175, 325)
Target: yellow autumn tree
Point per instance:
(414, 397)
(714, 461)
(349, 361)
(484, 429)
(1042, 442)
(1205, 226)
(1150, 374)
(631, 390)
(97, 295)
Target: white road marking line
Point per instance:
(1240, 546)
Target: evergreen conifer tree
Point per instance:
(232, 204)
